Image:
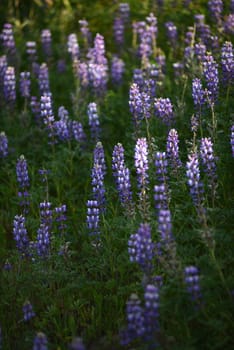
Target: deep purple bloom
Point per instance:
(117, 70)
(43, 79)
(161, 196)
(62, 126)
(46, 214)
(161, 165)
(28, 311)
(118, 31)
(151, 310)
(208, 158)
(122, 176)
(94, 123)
(3, 145)
(198, 93)
(9, 86)
(40, 342)
(43, 240)
(23, 181)
(210, 71)
(164, 110)
(173, 149)
(77, 344)
(141, 248)
(8, 41)
(46, 42)
(227, 63)
(98, 77)
(164, 225)
(20, 234)
(93, 217)
(192, 280)
(61, 218)
(25, 84)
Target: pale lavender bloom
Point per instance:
(173, 149)
(46, 42)
(210, 72)
(118, 31)
(83, 73)
(43, 79)
(198, 93)
(62, 127)
(20, 234)
(194, 123)
(93, 218)
(161, 196)
(61, 218)
(138, 78)
(9, 86)
(161, 165)
(232, 139)
(192, 280)
(3, 145)
(3, 68)
(208, 160)
(73, 46)
(142, 163)
(25, 84)
(124, 11)
(46, 214)
(164, 110)
(94, 122)
(78, 132)
(98, 174)
(28, 311)
(135, 104)
(98, 77)
(165, 226)
(40, 342)
(84, 28)
(47, 114)
(117, 70)
(171, 33)
(31, 50)
(141, 248)
(200, 51)
(227, 63)
(193, 176)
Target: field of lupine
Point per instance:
(116, 163)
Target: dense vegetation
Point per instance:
(116, 165)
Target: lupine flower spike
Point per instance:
(40, 342)
(3, 145)
(192, 280)
(23, 182)
(28, 311)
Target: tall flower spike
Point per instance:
(20, 234)
(227, 63)
(161, 165)
(210, 71)
(46, 214)
(25, 84)
(141, 248)
(142, 165)
(61, 218)
(193, 176)
(46, 42)
(160, 196)
(164, 110)
(215, 8)
(171, 33)
(40, 342)
(73, 46)
(43, 79)
(118, 28)
(43, 241)
(198, 94)
(3, 145)
(8, 41)
(93, 217)
(9, 86)
(48, 116)
(28, 311)
(232, 139)
(151, 310)
(173, 149)
(208, 161)
(135, 105)
(117, 70)
(98, 174)
(192, 280)
(94, 123)
(23, 182)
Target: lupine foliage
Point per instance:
(116, 165)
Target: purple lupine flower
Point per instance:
(194, 123)
(192, 280)
(83, 74)
(47, 115)
(40, 342)
(77, 344)
(7, 267)
(193, 176)
(98, 173)
(135, 319)
(25, 84)
(124, 11)
(229, 24)
(200, 51)
(208, 161)
(3, 145)
(232, 139)
(46, 214)
(178, 68)
(135, 104)
(118, 27)
(43, 240)
(61, 218)
(98, 77)
(141, 248)
(210, 71)
(152, 28)
(171, 33)
(227, 63)
(84, 28)
(122, 177)
(78, 132)
(28, 311)
(46, 42)
(8, 41)
(3, 68)
(164, 225)
(232, 6)
(31, 50)
(73, 46)
(173, 149)
(160, 196)
(142, 165)
(93, 218)
(117, 70)
(145, 46)
(189, 36)
(199, 19)
(151, 310)
(216, 9)
(62, 126)
(204, 32)
(35, 108)
(94, 123)
(164, 110)
(198, 93)
(138, 79)
(9, 86)
(20, 234)
(43, 79)
(23, 182)
(161, 165)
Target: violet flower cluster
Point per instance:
(208, 161)
(164, 110)
(173, 149)
(192, 280)
(48, 116)
(142, 166)
(9, 86)
(21, 235)
(232, 139)
(43, 79)
(161, 198)
(210, 72)
(40, 342)
(193, 178)
(93, 217)
(46, 41)
(98, 174)
(227, 63)
(25, 84)
(28, 311)
(3, 145)
(23, 182)
(94, 122)
(43, 240)
(117, 70)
